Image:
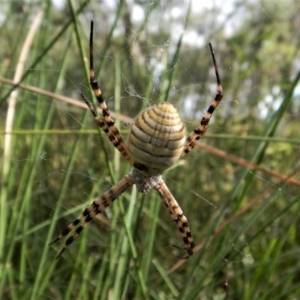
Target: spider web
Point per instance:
(238, 188)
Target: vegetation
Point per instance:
(239, 188)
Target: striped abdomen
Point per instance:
(156, 139)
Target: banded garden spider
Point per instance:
(156, 141)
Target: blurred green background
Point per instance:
(239, 188)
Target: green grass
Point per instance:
(242, 203)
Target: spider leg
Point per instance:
(200, 130)
(91, 211)
(120, 143)
(177, 216)
(106, 130)
(180, 248)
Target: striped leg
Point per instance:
(106, 130)
(91, 211)
(200, 130)
(120, 144)
(177, 216)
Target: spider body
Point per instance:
(144, 183)
(156, 141)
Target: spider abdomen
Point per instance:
(157, 138)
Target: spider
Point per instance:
(156, 141)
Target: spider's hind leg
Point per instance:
(120, 143)
(198, 132)
(106, 130)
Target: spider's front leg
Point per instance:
(177, 216)
(91, 211)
